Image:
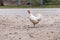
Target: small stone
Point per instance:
(6, 34)
(47, 33)
(19, 38)
(49, 36)
(10, 33)
(15, 33)
(58, 37)
(52, 32)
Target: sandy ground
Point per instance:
(17, 27)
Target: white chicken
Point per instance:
(33, 18)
